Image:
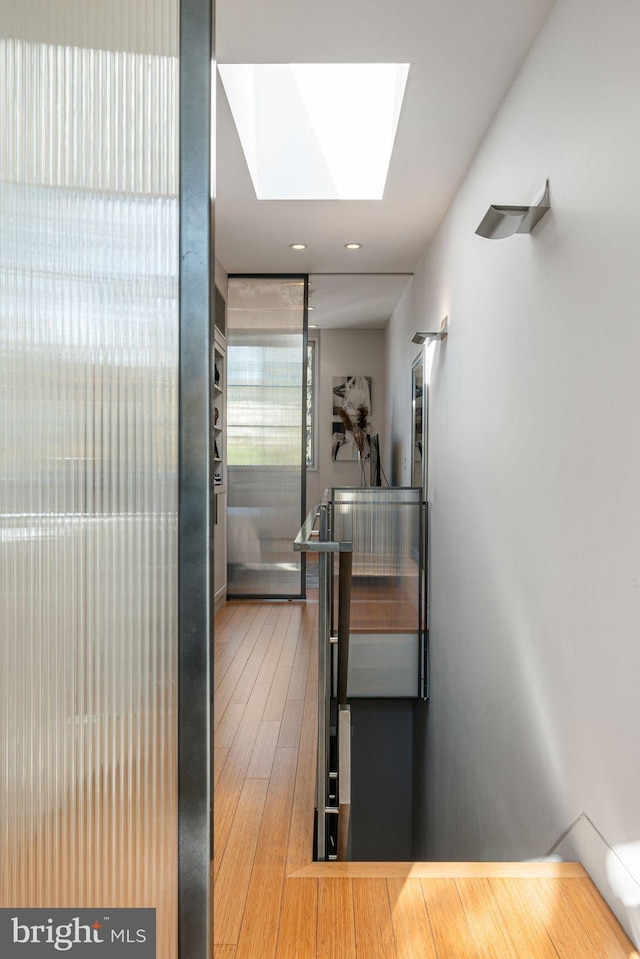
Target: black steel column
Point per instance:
(194, 535)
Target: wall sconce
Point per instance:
(440, 335)
(503, 221)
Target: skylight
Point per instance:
(316, 131)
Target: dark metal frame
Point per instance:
(303, 491)
(425, 586)
(197, 18)
(303, 499)
(326, 548)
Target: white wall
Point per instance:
(361, 353)
(220, 275)
(535, 467)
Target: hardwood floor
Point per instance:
(271, 901)
(384, 604)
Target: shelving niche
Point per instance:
(219, 454)
(219, 418)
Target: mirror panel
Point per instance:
(418, 425)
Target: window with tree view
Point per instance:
(311, 404)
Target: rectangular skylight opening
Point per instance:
(316, 131)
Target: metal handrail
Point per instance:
(310, 539)
(306, 542)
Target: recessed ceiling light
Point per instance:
(311, 307)
(313, 326)
(316, 131)
(353, 246)
(297, 246)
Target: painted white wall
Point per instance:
(535, 468)
(220, 277)
(361, 353)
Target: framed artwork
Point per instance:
(349, 392)
(342, 445)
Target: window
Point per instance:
(312, 403)
(316, 131)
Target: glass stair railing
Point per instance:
(372, 636)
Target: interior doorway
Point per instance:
(266, 434)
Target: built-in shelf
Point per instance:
(219, 412)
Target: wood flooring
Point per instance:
(270, 901)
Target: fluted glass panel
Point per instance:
(385, 526)
(88, 456)
(265, 420)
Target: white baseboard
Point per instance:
(615, 869)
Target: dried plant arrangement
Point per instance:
(359, 427)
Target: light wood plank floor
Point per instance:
(271, 901)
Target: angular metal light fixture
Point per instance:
(440, 335)
(503, 221)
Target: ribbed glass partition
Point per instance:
(88, 456)
(387, 632)
(265, 433)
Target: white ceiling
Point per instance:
(464, 55)
(354, 300)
